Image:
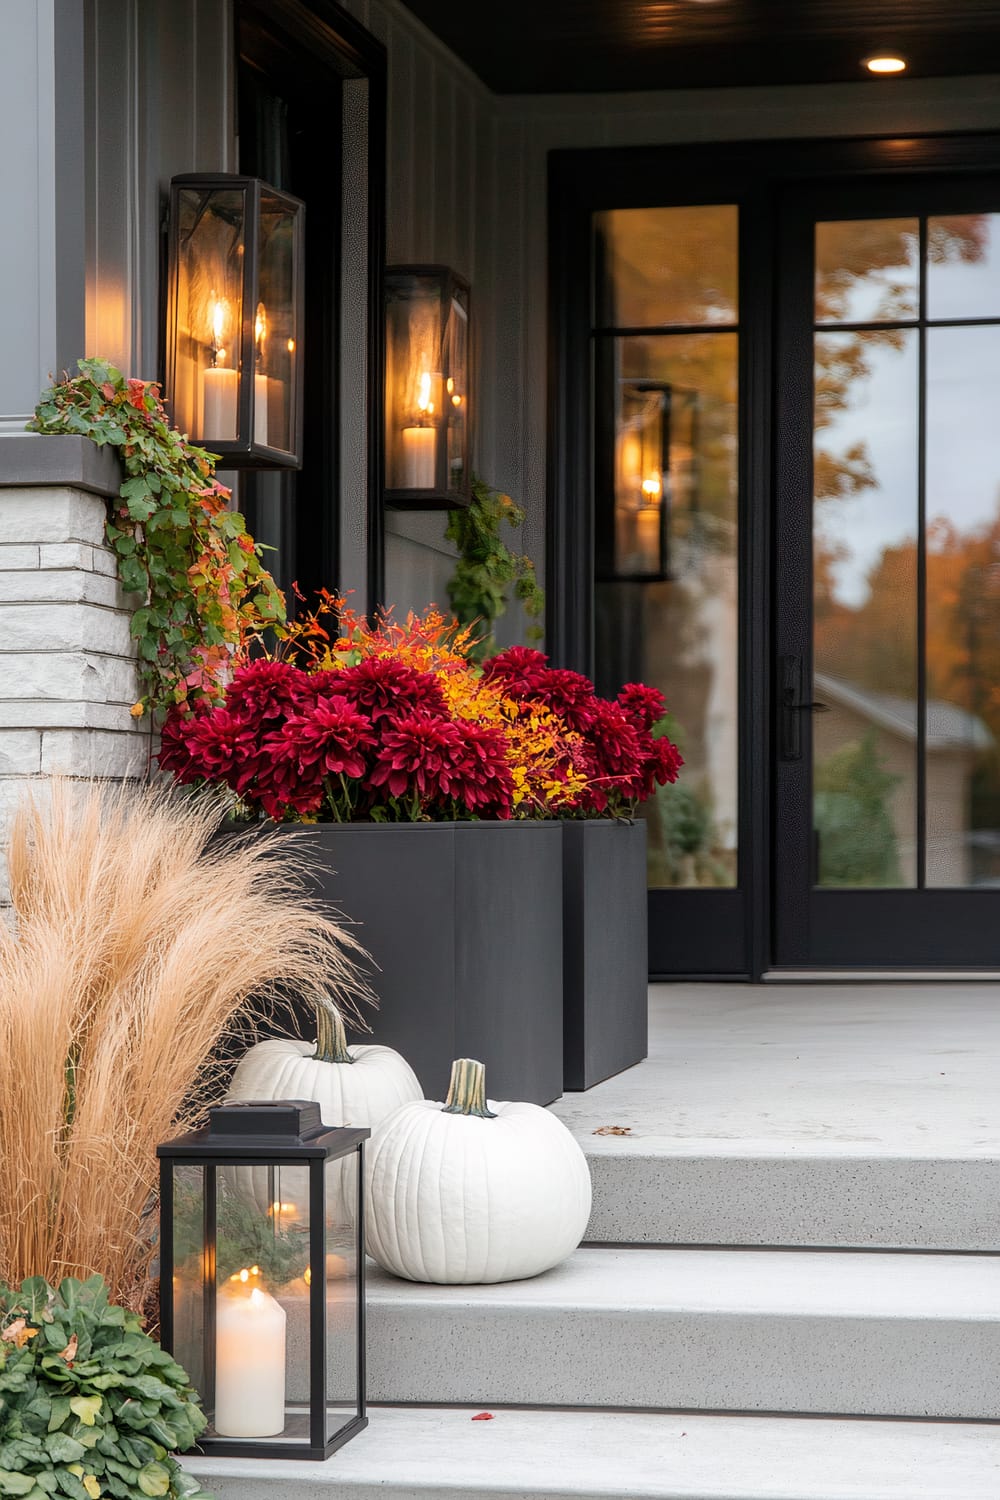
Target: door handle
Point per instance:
(792, 707)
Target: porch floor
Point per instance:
(896, 1068)
(807, 1113)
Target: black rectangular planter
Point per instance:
(465, 923)
(605, 964)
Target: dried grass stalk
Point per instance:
(137, 940)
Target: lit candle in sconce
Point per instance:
(221, 385)
(419, 441)
(259, 379)
(652, 488)
(249, 1360)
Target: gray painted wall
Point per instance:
(106, 99)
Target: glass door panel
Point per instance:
(888, 775)
(665, 511)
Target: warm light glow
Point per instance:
(244, 1275)
(885, 63)
(218, 322)
(307, 1276)
(291, 346)
(424, 393)
(652, 486)
(260, 327)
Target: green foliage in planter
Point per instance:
(486, 567)
(89, 1405)
(245, 1236)
(203, 590)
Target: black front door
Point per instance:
(887, 580)
(775, 494)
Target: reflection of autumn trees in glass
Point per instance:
(875, 642)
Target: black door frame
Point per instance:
(718, 933)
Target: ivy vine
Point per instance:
(486, 567)
(203, 591)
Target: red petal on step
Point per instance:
(483, 1416)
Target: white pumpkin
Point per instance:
(469, 1191)
(356, 1085)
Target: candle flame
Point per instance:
(218, 322)
(260, 325)
(259, 1299)
(291, 346)
(652, 487)
(424, 393)
(307, 1275)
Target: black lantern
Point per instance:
(234, 319)
(262, 1277)
(426, 388)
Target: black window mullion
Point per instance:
(922, 566)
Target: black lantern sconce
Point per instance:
(234, 318)
(426, 388)
(262, 1277)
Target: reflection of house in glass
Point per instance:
(866, 803)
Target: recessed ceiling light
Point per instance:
(885, 62)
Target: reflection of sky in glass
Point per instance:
(882, 414)
(852, 285)
(960, 289)
(963, 425)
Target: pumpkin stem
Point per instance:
(467, 1090)
(331, 1038)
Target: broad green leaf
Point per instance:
(154, 1479)
(21, 1484)
(60, 1412)
(63, 1449)
(86, 1408)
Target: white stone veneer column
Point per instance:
(67, 663)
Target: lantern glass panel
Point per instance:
(191, 1269)
(413, 380)
(457, 390)
(275, 351)
(261, 1386)
(208, 311)
(342, 1292)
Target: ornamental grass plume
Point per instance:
(138, 938)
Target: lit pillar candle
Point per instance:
(260, 409)
(418, 458)
(219, 402)
(249, 1365)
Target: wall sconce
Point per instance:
(233, 339)
(426, 388)
(262, 1277)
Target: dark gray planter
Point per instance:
(465, 923)
(605, 974)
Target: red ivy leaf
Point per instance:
(483, 1416)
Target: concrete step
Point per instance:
(733, 1330)
(655, 1191)
(824, 1115)
(415, 1454)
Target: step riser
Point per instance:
(561, 1356)
(840, 1202)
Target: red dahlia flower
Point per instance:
(332, 736)
(267, 690)
(417, 754)
(214, 746)
(644, 705)
(480, 778)
(521, 669)
(384, 688)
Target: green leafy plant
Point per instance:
(245, 1237)
(203, 590)
(853, 817)
(486, 567)
(89, 1404)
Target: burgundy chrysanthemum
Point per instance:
(644, 705)
(281, 785)
(661, 764)
(521, 669)
(213, 746)
(384, 688)
(479, 779)
(332, 736)
(416, 754)
(268, 690)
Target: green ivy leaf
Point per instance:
(154, 1479)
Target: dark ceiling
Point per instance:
(575, 46)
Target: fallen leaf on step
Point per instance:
(613, 1130)
(483, 1416)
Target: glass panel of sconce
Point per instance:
(427, 386)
